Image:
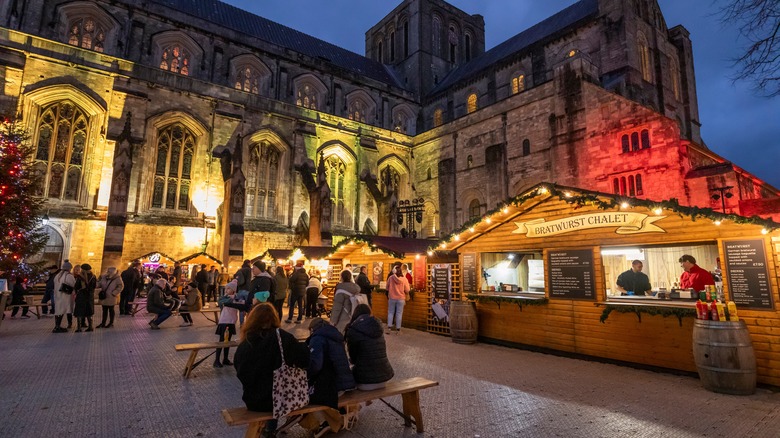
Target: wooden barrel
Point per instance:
(463, 322)
(724, 356)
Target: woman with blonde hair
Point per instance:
(258, 356)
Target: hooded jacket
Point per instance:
(256, 359)
(367, 351)
(282, 284)
(329, 370)
(299, 280)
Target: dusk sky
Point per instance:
(737, 123)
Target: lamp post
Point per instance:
(412, 213)
(723, 194)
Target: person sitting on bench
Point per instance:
(191, 303)
(258, 356)
(155, 303)
(17, 297)
(367, 350)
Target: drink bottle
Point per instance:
(714, 311)
(733, 311)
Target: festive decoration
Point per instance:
(603, 201)
(679, 312)
(21, 233)
(520, 301)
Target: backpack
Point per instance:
(354, 300)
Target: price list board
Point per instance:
(440, 279)
(571, 274)
(469, 272)
(747, 273)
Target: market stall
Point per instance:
(543, 270)
(193, 262)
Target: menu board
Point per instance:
(440, 277)
(747, 274)
(469, 273)
(571, 274)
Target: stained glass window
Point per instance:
(261, 181)
(173, 167)
(336, 171)
(176, 59)
(85, 32)
(60, 151)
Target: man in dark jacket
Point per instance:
(155, 303)
(262, 281)
(298, 283)
(48, 294)
(244, 278)
(202, 277)
(130, 278)
(329, 371)
(367, 350)
(365, 284)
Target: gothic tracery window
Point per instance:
(176, 59)
(60, 151)
(645, 61)
(474, 209)
(336, 172)
(436, 40)
(518, 84)
(357, 111)
(247, 79)
(173, 168)
(471, 104)
(438, 117)
(307, 97)
(86, 33)
(261, 181)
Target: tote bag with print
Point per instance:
(290, 387)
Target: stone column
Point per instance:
(233, 208)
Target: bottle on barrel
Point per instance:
(733, 311)
(721, 311)
(714, 311)
(701, 310)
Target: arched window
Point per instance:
(357, 111)
(261, 181)
(59, 157)
(474, 209)
(518, 84)
(175, 58)
(634, 141)
(674, 76)
(645, 139)
(469, 162)
(85, 32)
(173, 168)
(248, 79)
(438, 117)
(429, 176)
(406, 39)
(625, 144)
(468, 47)
(391, 179)
(526, 147)
(639, 190)
(378, 48)
(307, 97)
(453, 44)
(392, 46)
(336, 171)
(471, 104)
(631, 190)
(622, 185)
(645, 61)
(616, 186)
(436, 38)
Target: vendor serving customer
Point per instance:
(634, 280)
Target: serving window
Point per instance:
(513, 272)
(660, 263)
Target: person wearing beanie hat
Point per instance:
(155, 303)
(191, 303)
(85, 298)
(110, 286)
(64, 283)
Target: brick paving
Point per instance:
(126, 382)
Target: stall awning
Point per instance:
(201, 258)
(315, 252)
(156, 257)
(397, 247)
(275, 254)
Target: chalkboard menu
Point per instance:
(571, 274)
(747, 274)
(440, 277)
(469, 273)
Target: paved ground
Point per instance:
(126, 382)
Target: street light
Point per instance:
(723, 194)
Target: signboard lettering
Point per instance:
(624, 222)
(469, 273)
(571, 274)
(746, 273)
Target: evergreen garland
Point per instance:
(497, 299)
(679, 312)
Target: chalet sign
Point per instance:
(624, 223)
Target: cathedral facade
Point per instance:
(180, 127)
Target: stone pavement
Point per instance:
(126, 382)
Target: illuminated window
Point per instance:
(471, 104)
(572, 53)
(248, 79)
(59, 157)
(86, 33)
(438, 117)
(469, 161)
(336, 171)
(357, 111)
(307, 97)
(526, 147)
(474, 209)
(175, 58)
(645, 61)
(518, 84)
(261, 181)
(173, 168)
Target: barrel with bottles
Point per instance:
(724, 356)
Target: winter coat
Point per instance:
(298, 283)
(130, 279)
(256, 359)
(314, 283)
(397, 287)
(367, 351)
(243, 278)
(50, 284)
(329, 370)
(364, 283)
(85, 295)
(112, 286)
(155, 301)
(191, 301)
(63, 303)
(263, 283)
(282, 284)
(18, 293)
(341, 312)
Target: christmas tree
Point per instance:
(21, 234)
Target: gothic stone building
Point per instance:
(178, 126)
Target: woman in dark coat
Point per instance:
(17, 297)
(258, 356)
(85, 298)
(367, 350)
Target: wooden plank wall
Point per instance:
(573, 325)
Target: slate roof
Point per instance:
(253, 25)
(547, 28)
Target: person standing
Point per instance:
(365, 284)
(262, 287)
(226, 328)
(17, 297)
(397, 288)
(48, 294)
(85, 298)
(212, 290)
(694, 276)
(222, 280)
(634, 280)
(110, 286)
(177, 276)
(312, 292)
(131, 277)
(282, 284)
(298, 283)
(202, 277)
(64, 283)
(341, 312)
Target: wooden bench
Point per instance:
(214, 317)
(194, 348)
(408, 389)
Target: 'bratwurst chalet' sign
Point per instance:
(625, 223)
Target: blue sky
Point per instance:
(737, 122)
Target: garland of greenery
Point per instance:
(605, 201)
(359, 238)
(679, 312)
(499, 299)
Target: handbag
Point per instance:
(290, 387)
(102, 295)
